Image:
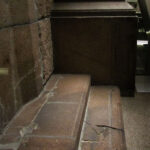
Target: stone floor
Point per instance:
(143, 84)
(136, 113)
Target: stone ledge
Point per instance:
(27, 59)
(52, 119)
(103, 125)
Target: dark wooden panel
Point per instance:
(101, 46)
(124, 36)
(97, 38)
(79, 47)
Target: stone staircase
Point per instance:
(69, 114)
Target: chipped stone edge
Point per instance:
(84, 123)
(32, 126)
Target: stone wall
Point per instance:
(26, 58)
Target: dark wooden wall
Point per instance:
(103, 47)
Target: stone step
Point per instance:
(52, 121)
(103, 125)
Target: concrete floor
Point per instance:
(136, 114)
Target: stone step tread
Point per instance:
(53, 120)
(103, 125)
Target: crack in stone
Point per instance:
(110, 127)
(26, 23)
(92, 127)
(102, 126)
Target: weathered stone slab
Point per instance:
(56, 119)
(45, 123)
(47, 144)
(103, 126)
(75, 93)
(23, 122)
(62, 114)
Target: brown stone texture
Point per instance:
(46, 48)
(56, 119)
(27, 59)
(10, 94)
(22, 122)
(43, 7)
(103, 127)
(26, 62)
(53, 120)
(17, 12)
(67, 103)
(7, 106)
(23, 11)
(47, 144)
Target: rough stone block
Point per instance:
(57, 124)
(46, 48)
(23, 122)
(25, 64)
(17, 12)
(43, 7)
(47, 144)
(22, 11)
(27, 60)
(103, 126)
(51, 120)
